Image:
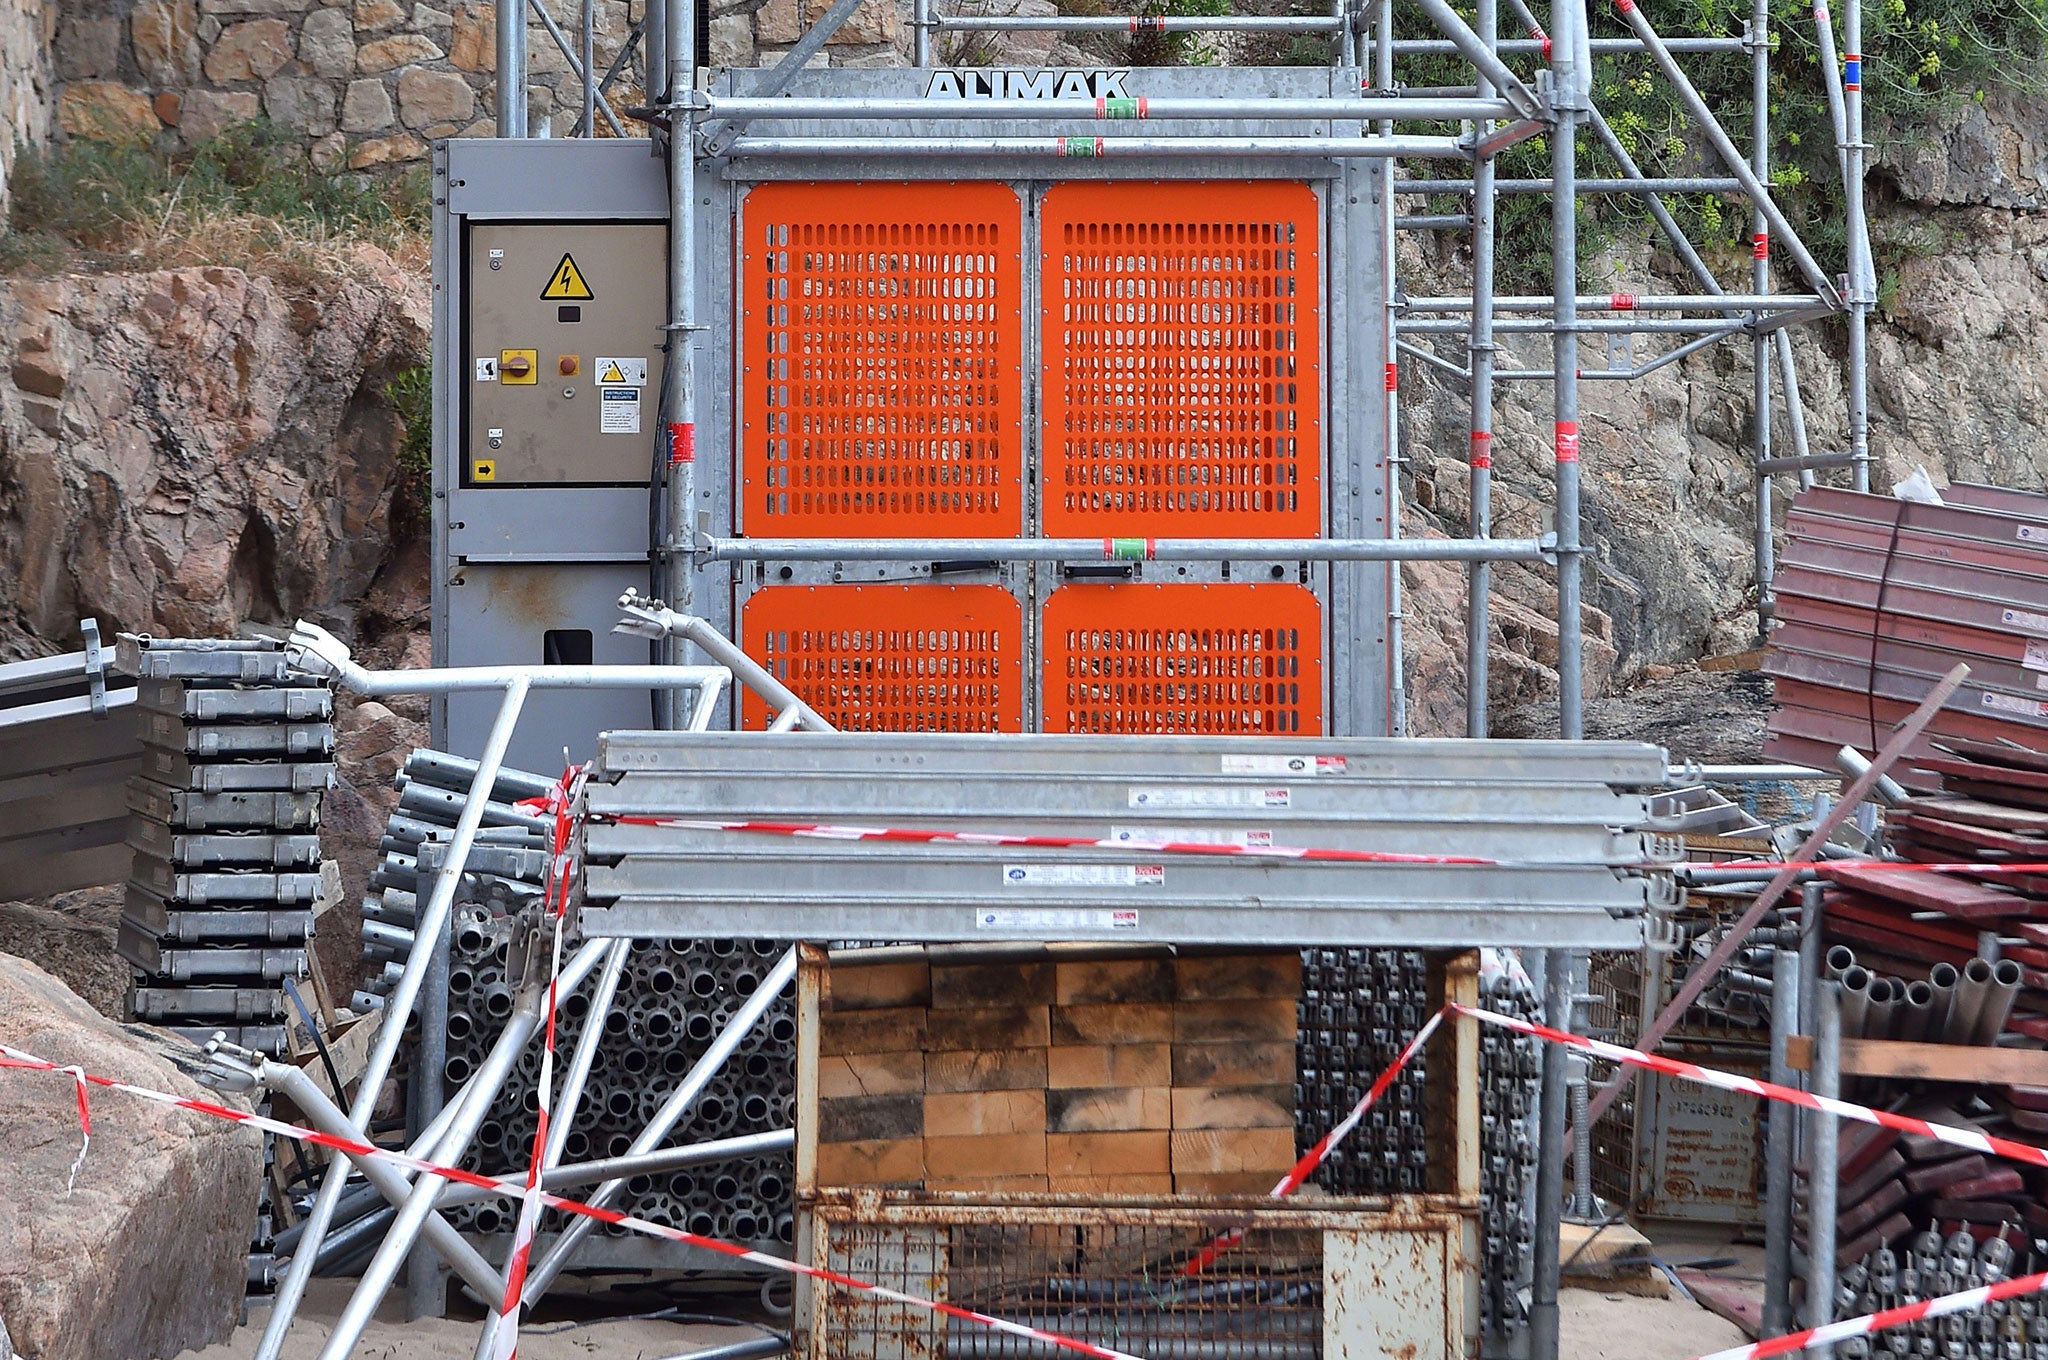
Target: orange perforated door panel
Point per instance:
(1230, 659)
(1180, 341)
(882, 341)
(892, 658)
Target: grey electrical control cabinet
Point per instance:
(564, 333)
(551, 292)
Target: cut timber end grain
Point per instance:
(997, 1154)
(898, 1161)
(895, 1030)
(1085, 982)
(877, 986)
(864, 1119)
(988, 1185)
(1238, 977)
(1129, 1024)
(1112, 1109)
(967, 1113)
(1138, 1153)
(971, 986)
(1211, 1150)
(1244, 1107)
(870, 1074)
(1014, 1069)
(1115, 1065)
(987, 1027)
(1129, 1184)
(1240, 1064)
(1225, 1182)
(1223, 1022)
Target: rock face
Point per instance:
(1956, 384)
(187, 450)
(144, 1256)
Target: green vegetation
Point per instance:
(411, 395)
(1922, 59)
(248, 197)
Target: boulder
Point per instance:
(145, 1254)
(186, 450)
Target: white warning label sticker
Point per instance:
(2012, 703)
(1243, 837)
(621, 372)
(2036, 658)
(1084, 875)
(1283, 764)
(618, 410)
(1210, 797)
(1050, 922)
(2033, 533)
(2025, 620)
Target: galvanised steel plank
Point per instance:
(1500, 925)
(1556, 844)
(824, 797)
(1251, 758)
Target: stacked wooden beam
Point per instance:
(1074, 1075)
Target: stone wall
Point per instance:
(367, 83)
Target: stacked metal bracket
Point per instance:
(1929, 1266)
(1358, 1008)
(224, 825)
(672, 999)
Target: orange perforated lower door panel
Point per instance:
(1180, 341)
(881, 392)
(886, 658)
(1227, 659)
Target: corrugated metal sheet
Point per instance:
(1877, 598)
(68, 745)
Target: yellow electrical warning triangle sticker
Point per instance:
(611, 373)
(566, 284)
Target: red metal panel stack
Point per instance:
(1877, 598)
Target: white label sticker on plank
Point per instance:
(2034, 533)
(2025, 619)
(1192, 835)
(621, 372)
(1084, 875)
(2012, 703)
(618, 410)
(1171, 797)
(1048, 922)
(1295, 764)
(2036, 658)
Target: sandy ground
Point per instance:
(1592, 1326)
(390, 1337)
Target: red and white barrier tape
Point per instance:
(1327, 1144)
(1969, 1300)
(1728, 1081)
(561, 872)
(827, 831)
(517, 1187)
(830, 831)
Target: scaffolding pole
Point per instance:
(1480, 360)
